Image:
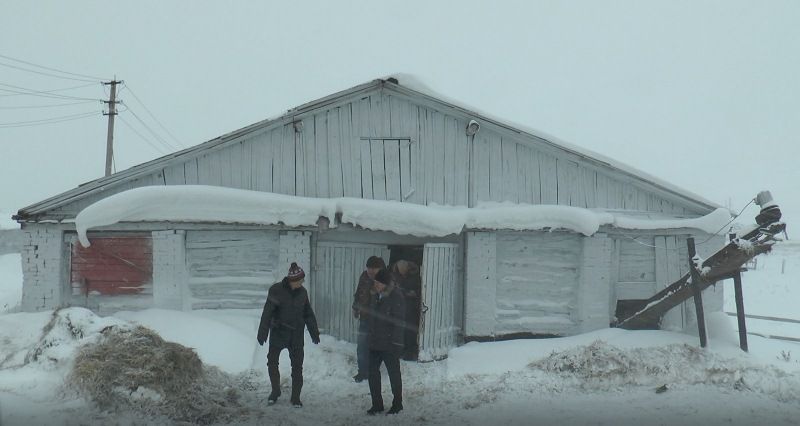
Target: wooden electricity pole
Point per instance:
(112, 111)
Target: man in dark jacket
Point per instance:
(285, 316)
(361, 300)
(386, 332)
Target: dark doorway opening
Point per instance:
(626, 308)
(405, 263)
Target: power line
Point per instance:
(44, 94)
(125, 122)
(149, 129)
(45, 106)
(53, 90)
(44, 73)
(84, 77)
(154, 117)
(50, 120)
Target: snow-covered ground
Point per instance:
(10, 281)
(605, 377)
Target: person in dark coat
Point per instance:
(361, 300)
(405, 275)
(286, 314)
(385, 339)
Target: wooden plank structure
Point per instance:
(724, 264)
(389, 141)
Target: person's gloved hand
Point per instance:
(315, 340)
(260, 342)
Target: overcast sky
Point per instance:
(705, 95)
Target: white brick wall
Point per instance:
(480, 316)
(295, 246)
(42, 263)
(169, 270)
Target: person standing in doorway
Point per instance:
(405, 275)
(286, 314)
(361, 301)
(386, 332)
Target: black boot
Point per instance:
(275, 381)
(297, 386)
(375, 409)
(396, 408)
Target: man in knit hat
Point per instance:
(286, 314)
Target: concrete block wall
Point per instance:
(42, 267)
(295, 246)
(169, 270)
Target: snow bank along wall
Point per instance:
(378, 141)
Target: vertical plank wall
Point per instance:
(442, 293)
(337, 267)
(387, 147)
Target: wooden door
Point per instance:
(441, 301)
(337, 267)
(112, 266)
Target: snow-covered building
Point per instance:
(518, 234)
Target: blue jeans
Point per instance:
(362, 348)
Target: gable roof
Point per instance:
(409, 87)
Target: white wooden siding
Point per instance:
(351, 149)
(231, 269)
(337, 267)
(442, 300)
(537, 282)
(636, 278)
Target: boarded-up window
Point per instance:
(112, 265)
(636, 274)
(388, 161)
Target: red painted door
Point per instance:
(113, 266)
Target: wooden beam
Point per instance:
(697, 291)
(740, 316)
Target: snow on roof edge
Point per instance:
(199, 203)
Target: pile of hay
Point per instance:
(136, 369)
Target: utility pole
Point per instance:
(112, 111)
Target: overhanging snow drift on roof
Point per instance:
(198, 203)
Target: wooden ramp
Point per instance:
(725, 263)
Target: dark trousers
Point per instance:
(392, 362)
(296, 356)
(362, 348)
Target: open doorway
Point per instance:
(404, 263)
